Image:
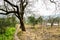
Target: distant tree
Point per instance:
(51, 20)
(40, 20)
(32, 20)
(57, 20)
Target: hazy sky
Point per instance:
(44, 7)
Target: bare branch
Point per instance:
(3, 13)
(25, 4)
(12, 12)
(13, 6)
(9, 12)
(3, 10)
(5, 5)
(10, 3)
(16, 15)
(52, 1)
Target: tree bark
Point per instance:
(51, 24)
(22, 25)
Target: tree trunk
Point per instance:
(58, 24)
(22, 25)
(51, 24)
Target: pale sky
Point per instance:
(46, 8)
(43, 7)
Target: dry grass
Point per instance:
(40, 33)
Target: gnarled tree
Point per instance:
(17, 10)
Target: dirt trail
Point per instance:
(15, 35)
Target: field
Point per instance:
(39, 32)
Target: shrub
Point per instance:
(9, 34)
(10, 31)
